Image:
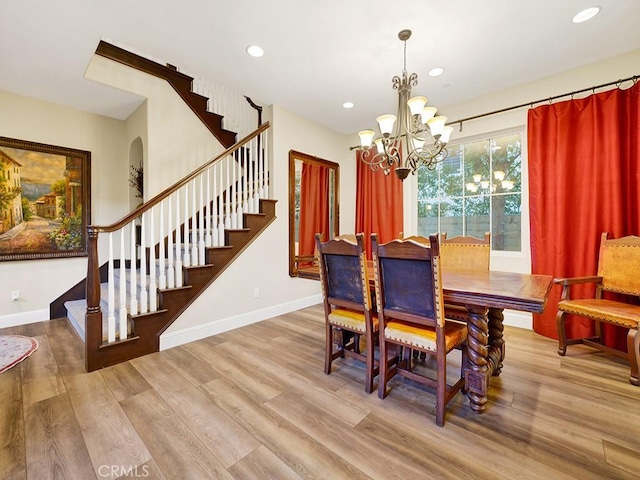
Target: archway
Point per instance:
(136, 169)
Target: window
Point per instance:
(477, 189)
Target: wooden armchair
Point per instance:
(411, 314)
(618, 267)
(349, 312)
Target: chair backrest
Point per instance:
(468, 253)
(619, 264)
(343, 272)
(408, 280)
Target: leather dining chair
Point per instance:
(465, 253)
(348, 310)
(408, 285)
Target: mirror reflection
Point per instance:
(313, 208)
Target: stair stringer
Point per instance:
(180, 82)
(147, 328)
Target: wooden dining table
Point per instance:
(485, 295)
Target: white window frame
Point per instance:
(516, 261)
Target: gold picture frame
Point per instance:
(45, 195)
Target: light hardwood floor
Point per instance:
(254, 403)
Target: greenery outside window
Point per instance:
(477, 189)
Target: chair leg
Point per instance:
(384, 368)
(441, 388)
(633, 347)
(562, 336)
(328, 348)
(406, 358)
(369, 350)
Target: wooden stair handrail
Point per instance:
(169, 190)
(180, 82)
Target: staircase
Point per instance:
(158, 259)
(180, 82)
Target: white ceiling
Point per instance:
(318, 54)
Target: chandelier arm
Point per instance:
(376, 159)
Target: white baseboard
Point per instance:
(191, 334)
(513, 318)
(23, 318)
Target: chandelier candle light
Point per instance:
(485, 185)
(423, 135)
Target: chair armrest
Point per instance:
(567, 282)
(576, 280)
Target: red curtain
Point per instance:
(378, 204)
(584, 178)
(314, 206)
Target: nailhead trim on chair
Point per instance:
(607, 313)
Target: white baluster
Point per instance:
(221, 223)
(187, 258)
(256, 192)
(111, 296)
(122, 312)
(162, 278)
(144, 298)
(153, 286)
(201, 222)
(232, 188)
(227, 215)
(194, 226)
(178, 264)
(214, 210)
(171, 279)
(263, 190)
(245, 176)
(252, 180)
(133, 287)
(239, 221)
(208, 240)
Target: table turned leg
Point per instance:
(496, 340)
(477, 372)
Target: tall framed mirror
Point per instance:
(313, 208)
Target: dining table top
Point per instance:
(517, 291)
(494, 289)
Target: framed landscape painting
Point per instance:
(44, 200)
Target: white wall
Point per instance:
(42, 281)
(175, 141)
(230, 300)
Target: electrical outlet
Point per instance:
(256, 292)
(15, 295)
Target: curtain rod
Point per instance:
(617, 83)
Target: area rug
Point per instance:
(14, 349)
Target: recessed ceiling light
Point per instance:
(586, 14)
(348, 105)
(255, 51)
(434, 72)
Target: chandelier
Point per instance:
(413, 137)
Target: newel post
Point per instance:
(93, 317)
